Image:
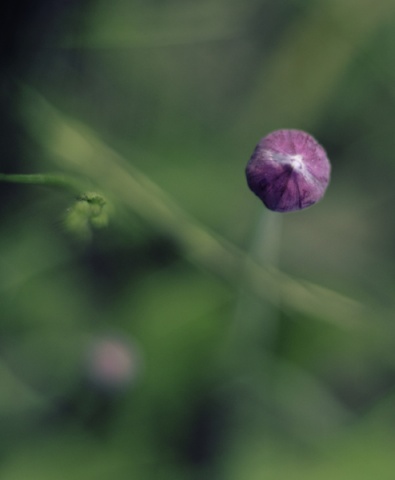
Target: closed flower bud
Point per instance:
(289, 170)
(89, 211)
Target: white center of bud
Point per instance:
(297, 162)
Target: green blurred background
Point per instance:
(197, 336)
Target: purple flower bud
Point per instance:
(288, 170)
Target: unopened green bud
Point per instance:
(90, 211)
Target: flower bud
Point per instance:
(89, 211)
(289, 170)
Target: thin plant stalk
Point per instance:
(56, 180)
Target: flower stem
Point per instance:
(46, 179)
(255, 327)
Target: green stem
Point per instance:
(255, 326)
(46, 179)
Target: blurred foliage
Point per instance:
(194, 334)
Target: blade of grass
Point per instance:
(77, 148)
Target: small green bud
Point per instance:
(90, 211)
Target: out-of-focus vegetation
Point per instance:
(196, 335)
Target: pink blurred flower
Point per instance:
(112, 362)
